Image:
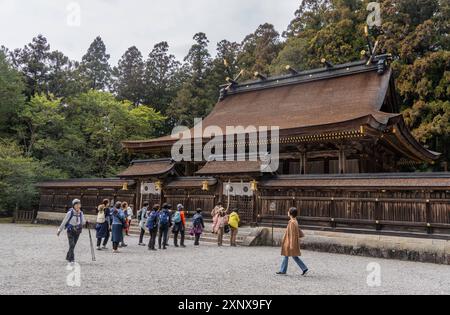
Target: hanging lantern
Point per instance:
(254, 186)
(158, 186)
(125, 186)
(205, 186)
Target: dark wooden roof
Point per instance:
(397, 180)
(148, 168)
(334, 99)
(86, 183)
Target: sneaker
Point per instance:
(142, 244)
(99, 248)
(305, 273)
(281, 273)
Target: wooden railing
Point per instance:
(24, 216)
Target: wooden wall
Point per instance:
(58, 199)
(411, 211)
(421, 211)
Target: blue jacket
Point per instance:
(118, 217)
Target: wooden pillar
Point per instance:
(342, 160)
(219, 191)
(138, 197)
(326, 162)
(303, 161)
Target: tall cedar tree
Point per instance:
(129, 77)
(160, 78)
(95, 68)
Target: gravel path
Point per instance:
(32, 262)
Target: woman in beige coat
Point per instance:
(291, 244)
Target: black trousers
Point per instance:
(152, 242)
(141, 237)
(181, 232)
(163, 237)
(197, 239)
(73, 237)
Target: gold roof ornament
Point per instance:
(254, 186)
(158, 186)
(205, 185)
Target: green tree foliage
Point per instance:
(83, 136)
(18, 177)
(330, 29)
(414, 31)
(95, 68)
(46, 71)
(32, 62)
(162, 78)
(11, 98)
(195, 98)
(129, 82)
(259, 50)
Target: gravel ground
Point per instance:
(32, 262)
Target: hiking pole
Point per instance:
(92, 243)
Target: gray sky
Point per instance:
(124, 23)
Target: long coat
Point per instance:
(291, 240)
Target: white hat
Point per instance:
(76, 202)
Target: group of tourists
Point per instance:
(224, 224)
(115, 222)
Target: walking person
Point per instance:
(118, 222)
(198, 226)
(234, 222)
(103, 226)
(222, 221)
(142, 217)
(73, 224)
(165, 223)
(152, 226)
(215, 217)
(291, 244)
(179, 225)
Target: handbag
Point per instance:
(301, 233)
(227, 229)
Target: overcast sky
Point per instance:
(143, 23)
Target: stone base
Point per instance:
(387, 247)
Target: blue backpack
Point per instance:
(177, 217)
(152, 220)
(164, 218)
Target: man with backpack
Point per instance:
(165, 222)
(73, 223)
(152, 226)
(179, 225)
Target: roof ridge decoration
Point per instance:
(379, 63)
